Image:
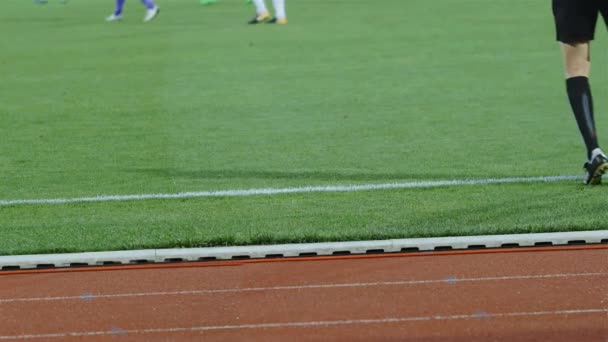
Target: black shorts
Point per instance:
(575, 19)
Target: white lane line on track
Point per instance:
(308, 324)
(448, 280)
(278, 191)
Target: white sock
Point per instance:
(260, 6)
(279, 8)
(595, 153)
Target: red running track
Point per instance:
(535, 294)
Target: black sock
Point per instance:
(579, 94)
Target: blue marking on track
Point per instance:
(87, 296)
(482, 315)
(451, 280)
(118, 331)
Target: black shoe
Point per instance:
(595, 169)
(260, 18)
(282, 21)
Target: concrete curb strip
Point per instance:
(295, 250)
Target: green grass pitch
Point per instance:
(350, 92)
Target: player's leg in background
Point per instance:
(148, 3)
(261, 12)
(260, 6)
(117, 15)
(279, 10)
(151, 10)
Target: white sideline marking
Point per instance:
(449, 280)
(277, 191)
(386, 320)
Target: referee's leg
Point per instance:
(575, 25)
(577, 58)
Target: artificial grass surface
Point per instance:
(350, 92)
